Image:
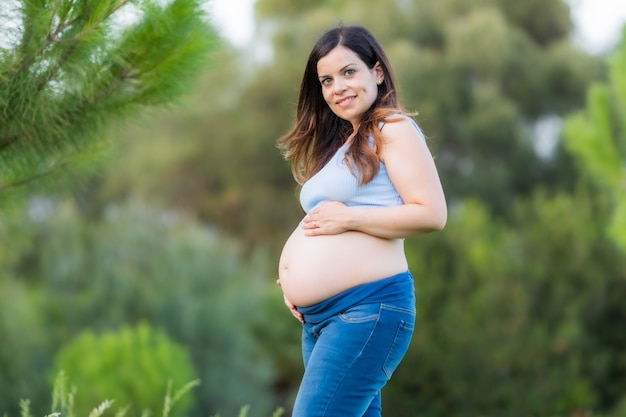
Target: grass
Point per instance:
(63, 402)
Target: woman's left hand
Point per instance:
(328, 218)
(294, 310)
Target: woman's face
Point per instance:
(349, 87)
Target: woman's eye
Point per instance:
(326, 81)
(350, 72)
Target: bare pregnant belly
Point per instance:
(314, 268)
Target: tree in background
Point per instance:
(597, 138)
(70, 69)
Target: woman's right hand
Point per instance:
(294, 310)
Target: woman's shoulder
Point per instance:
(398, 126)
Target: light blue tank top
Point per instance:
(335, 182)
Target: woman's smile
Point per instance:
(345, 102)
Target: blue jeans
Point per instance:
(350, 356)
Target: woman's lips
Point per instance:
(345, 101)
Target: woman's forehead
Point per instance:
(337, 58)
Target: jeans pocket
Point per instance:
(399, 347)
(361, 313)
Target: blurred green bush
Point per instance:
(131, 366)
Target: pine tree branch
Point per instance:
(53, 38)
(165, 58)
(26, 63)
(34, 56)
(51, 72)
(54, 12)
(88, 30)
(96, 78)
(32, 178)
(82, 105)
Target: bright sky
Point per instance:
(598, 22)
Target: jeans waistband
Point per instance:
(395, 288)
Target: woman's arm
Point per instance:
(412, 171)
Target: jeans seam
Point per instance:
(403, 326)
(366, 319)
(398, 309)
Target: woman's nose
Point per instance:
(339, 85)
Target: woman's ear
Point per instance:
(380, 75)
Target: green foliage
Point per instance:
(23, 347)
(514, 319)
(142, 264)
(551, 24)
(597, 138)
(131, 365)
(71, 69)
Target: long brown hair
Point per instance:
(318, 133)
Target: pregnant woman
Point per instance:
(367, 181)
